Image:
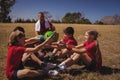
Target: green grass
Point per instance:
(109, 44)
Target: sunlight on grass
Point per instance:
(109, 43)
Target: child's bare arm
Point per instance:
(51, 45)
(37, 47)
(31, 40)
(82, 50)
(54, 44)
(79, 46)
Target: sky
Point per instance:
(91, 9)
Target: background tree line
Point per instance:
(5, 9)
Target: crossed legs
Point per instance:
(75, 57)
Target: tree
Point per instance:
(19, 20)
(99, 22)
(28, 21)
(33, 20)
(5, 6)
(72, 17)
(84, 21)
(67, 18)
(55, 21)
(47, 15)
(75, 17)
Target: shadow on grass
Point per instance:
(105, 70)
(75, 72)
(45, 77)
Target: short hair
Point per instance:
(13, 38)
(93, 33)
(69, 30)
(19, 28)
(41, 13)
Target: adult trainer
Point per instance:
(43, 25)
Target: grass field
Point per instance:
(109, 44)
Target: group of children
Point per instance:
(18, 54)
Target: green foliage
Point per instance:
(84, 21)
(19, 20)
(5, 6)
(75, 17)
(47, 14)
(99, 22)
(55, 21)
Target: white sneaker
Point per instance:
(62, 64)
(53, 72)
(50, 66)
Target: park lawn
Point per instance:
(109, 40)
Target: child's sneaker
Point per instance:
(50, 66)
(53, 72)
(56, 71)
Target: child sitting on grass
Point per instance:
(31, 42)
(88, 52)
(18, 54)
(67, 39)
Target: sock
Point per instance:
(63, 63)
(62, 66)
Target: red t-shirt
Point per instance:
(14, 57)
(69, 41)
(91, 51)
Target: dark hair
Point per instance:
(69, 30)
(94, 33)
(41, 13)
(14, 36)
(20, 29)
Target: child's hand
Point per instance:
(47, 46)
(61, 46)
(72, 46)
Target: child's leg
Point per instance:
(28, 73)
(36, 59)
(53, 56)
(72, 55)
(87, 60)
(64, 53)
(70, 61)
(54, 51)
(74, 58)
(25, 57)
(90, 64)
